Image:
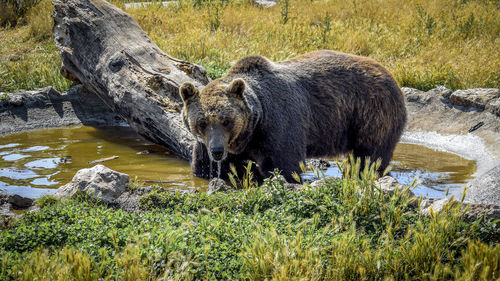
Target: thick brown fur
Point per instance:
(319, 104)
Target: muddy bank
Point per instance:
(473, 113)
(464, 122)
(47, 108)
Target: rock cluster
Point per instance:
(319, 164)
(217, 185)
(480, 99)
(427, 205)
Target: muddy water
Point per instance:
(438, 174)
(35, 163)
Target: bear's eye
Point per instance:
(226, 123)
(202, 125)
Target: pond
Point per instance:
(37, 162)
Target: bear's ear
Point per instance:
(237, 87)
(187, 91)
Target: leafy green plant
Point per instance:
(247, 180)
(46, 200)
(285, 11)
(215, 13)
(134, 184)
(326, 27)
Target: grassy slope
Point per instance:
(423, 44)
(263, 233)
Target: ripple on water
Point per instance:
(25, 191)
(15, 174)
(9, 145)
(35, 148)
(14, 157)
(435, 172)
(46, 163)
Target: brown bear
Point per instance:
(320, 104)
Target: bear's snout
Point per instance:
(216, 141)
(217, 153)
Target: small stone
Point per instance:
(389, 184)
(265, 3)
(319, 164)
(5, 211)
(34, 209)
(436, 207)
(147, 151)
(217, 185)
(19, 202)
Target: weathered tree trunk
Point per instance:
(106, 50)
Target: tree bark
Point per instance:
(105, 49)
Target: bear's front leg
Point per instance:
(200, 161)
(287, 166)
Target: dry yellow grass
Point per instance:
(424, 44)
(28, 56)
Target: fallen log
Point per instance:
(104, 48)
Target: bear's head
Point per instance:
(217, 115)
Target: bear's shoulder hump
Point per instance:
(250, 64)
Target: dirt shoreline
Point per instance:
(47, 108)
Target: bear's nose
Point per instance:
(217, 153)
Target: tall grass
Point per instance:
(424, 44)
(28, 56)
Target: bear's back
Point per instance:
(250, 65)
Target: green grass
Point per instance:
(28, 56)
(344, 230)
(424, 44)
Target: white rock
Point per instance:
(389, 184)
(436, 207)
(265, 3)
(99, 180)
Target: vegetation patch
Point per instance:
(424, 44)
(346, 229)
